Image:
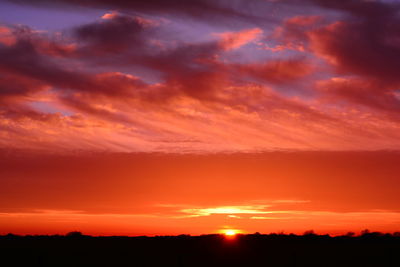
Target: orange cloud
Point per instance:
(229, 210)
(292, 34)
(235, 40)
(6, 36)
(110, 15)
(279, 71)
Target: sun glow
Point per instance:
(230, 232)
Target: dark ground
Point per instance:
(372, 249)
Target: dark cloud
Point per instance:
(24, 59)
(17, 86)
(113, 35)
(364, 43)
(212, 10)
(361, 41)
(366, 48)
(362, 8)
(32, 58)
(26, 68)
(368, 93)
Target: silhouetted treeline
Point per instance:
(310, 249)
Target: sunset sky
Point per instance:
(163, 117)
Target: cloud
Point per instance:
(212, 10)
(14, 86)
(279, 71)
(234, 40)
(355, 47)
(6, 36)
(366, 37)
(361, 8)
(362, 36)
(115, 34)
(228, 210)
(369, 93)
(292, 34)
(62, 221)
(290, 201)
(143, 83)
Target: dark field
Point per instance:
(372, 249)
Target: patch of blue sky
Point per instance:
(49, 19)
(50, 108)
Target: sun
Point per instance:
(230, 232)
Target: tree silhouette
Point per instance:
(74, 234)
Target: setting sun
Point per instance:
(230, 232)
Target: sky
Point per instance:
(190, 117)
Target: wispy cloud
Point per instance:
(228, 210)
(251, 219)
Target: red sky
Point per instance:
(141, 117)
(134, 194)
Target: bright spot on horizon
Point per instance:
(230, 232)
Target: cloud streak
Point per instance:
(132, 224)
